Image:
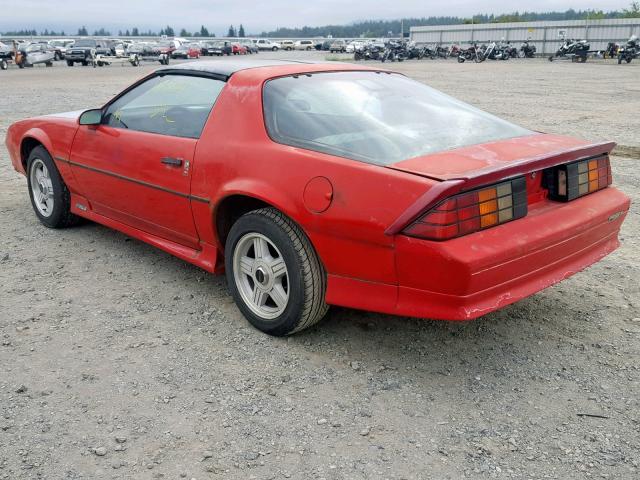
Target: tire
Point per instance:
(59, 215)
(551, 58)
(49, 64)
(85, 63)
(57, 57)
(461, 59)
(628, 59)
(305, 276)
(3, 64)
(69, 63)
(274, 49)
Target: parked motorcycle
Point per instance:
(454, 50)
(496, 51)
(474, 52)
(630, 51)
(611, 50)
(527, 50)
(574, 50)
(394, 51)
(368, 52)
(511, 50)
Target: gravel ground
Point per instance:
(119, 361)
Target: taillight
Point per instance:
(472, 211)
(573, 180)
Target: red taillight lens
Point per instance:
(472, 211)
(573, 180)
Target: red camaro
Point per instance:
(313, 185)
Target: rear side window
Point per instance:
(175, 105)
(376, 118)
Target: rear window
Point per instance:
(376, 118)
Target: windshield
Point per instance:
(374, 117)
(85, 43)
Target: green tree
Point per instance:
(232, 32)
(82, 32)
(633, 11)
(135, 32)
(184, 33)
(168, 31)
(241, 31)
(204, 32)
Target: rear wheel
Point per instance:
(3, 64)
(69, 63)
(274, 274)
(49, 195)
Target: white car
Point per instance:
(304, 45)
(265, 44)
(353, 46)
(287, 44)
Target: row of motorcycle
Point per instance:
(626, 52)
(397, 50)
(571, 49)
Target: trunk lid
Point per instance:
(485, 163)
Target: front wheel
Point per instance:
(274, 274)
(49, 195)
(3, 64)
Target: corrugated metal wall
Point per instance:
(544, 35)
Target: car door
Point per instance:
(135, 167)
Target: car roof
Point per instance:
(228, 68)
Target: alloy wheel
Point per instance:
(261, 275)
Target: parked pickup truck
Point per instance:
(84, 51)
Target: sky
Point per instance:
(255, 15)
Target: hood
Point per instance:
(71, 115)
(503, 158)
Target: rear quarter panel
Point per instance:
(236, 156)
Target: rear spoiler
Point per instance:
(494, 174)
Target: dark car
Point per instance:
(220, 47)
(206, 48)
(85, 50)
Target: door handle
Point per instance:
(174, 162)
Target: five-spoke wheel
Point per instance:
(274, 273)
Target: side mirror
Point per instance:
(91, 117)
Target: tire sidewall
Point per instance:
(60, 193)
(288, 320)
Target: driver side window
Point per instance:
(172, 104)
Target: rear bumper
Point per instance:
(470, 276)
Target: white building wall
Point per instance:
(544, 35)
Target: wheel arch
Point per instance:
(30, 140)
(230, 208)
